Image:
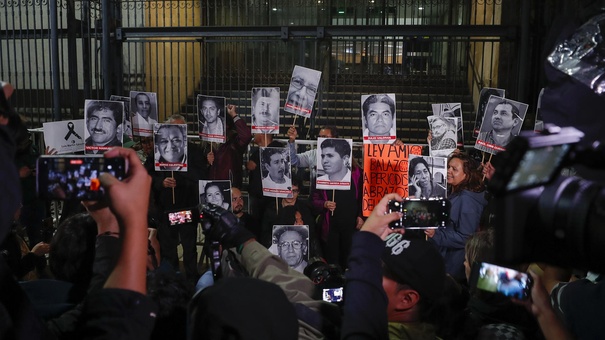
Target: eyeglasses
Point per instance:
(298, 84)
(293, 244)
(175, 141)
(295, 191)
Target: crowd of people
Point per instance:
(114, 269)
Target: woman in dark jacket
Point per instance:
(467, 197)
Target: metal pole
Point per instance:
(72, 57)
(524, 59)
(54, 51)
(105, 46)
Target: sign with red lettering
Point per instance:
(385, 171)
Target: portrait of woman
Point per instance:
(216, 192)
(422, 183)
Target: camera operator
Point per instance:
(317, 318)
(398, 296)
(561, 222)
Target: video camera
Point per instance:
(208, 215)
(329, 280)
(542, 216)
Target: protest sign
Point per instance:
(385, 171)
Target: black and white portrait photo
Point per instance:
(427, 176)
(451, 110)
(144, 112)
(211, 113)
(275, 172)
(102, 118)
(265, 110)
(486, 92)
(217, 192)
(378, 118)
(334, 156)
(126, 126)
(302, 91)
(443, 135)
(291, 244)
(170, 147)
(502, 122)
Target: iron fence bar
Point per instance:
(524, 53)
(72, 58)
(54, 48)
(105, 49)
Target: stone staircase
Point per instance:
(340, 104)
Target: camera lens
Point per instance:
(560, 224)
(574, 211)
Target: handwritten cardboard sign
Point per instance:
(385, 171)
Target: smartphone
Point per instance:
(182, 216)
(75, 177)
(501, 280)
(48, 229)
(333, 294)
(421, 213)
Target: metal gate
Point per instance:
(58, 54)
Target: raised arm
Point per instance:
(365, 307)
(244, 134)
(129, 201)
(292, 134)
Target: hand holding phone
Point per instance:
(501, 280)
(129, 201)
(420, 213)
(380, 219)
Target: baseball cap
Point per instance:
(416, 263)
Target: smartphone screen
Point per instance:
(180, 217)
(75, 177)
(501, 280)
(422, 213)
